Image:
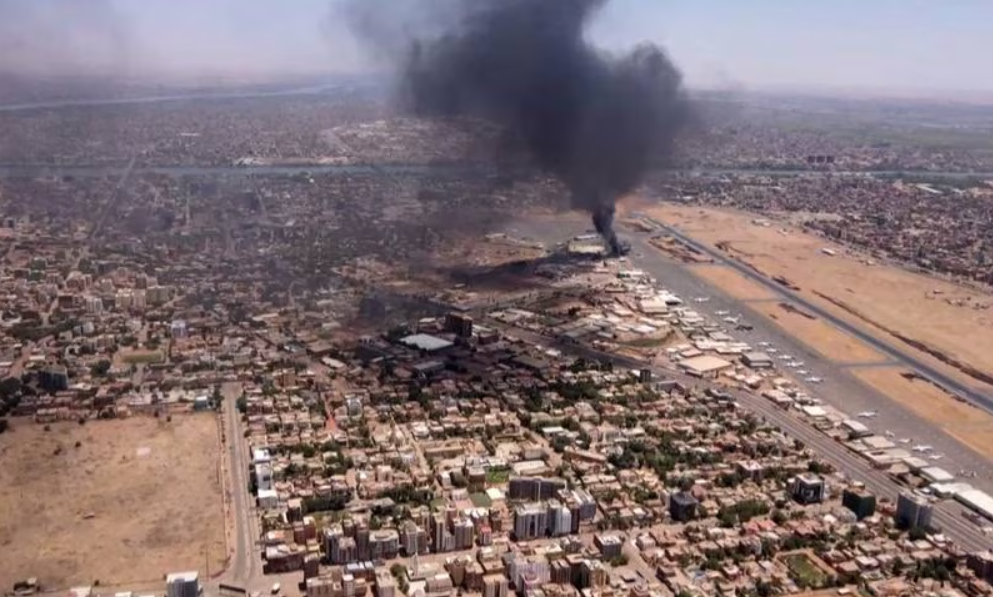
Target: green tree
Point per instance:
(100, 368)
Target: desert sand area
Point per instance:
(119, 501)
(947, 317)
(830, 342)
(732, 282)
(966, 423)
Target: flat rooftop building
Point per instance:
(705, 366)
(426, 342)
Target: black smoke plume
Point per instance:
(594, 120)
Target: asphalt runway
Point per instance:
(839, 389)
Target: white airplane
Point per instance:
(772, 351)
(936, 456)
(702, 299)
(721, 312)
(868, 414)
(799, 363)
(763, 344)
(814, 379)
(905, 440)
(888, 433)
(803, 372)
(923, 448)
(732, 319)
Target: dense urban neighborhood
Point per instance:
(303, 346)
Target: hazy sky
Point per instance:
(931, 45)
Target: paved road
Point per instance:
(245, 563)
(947, 516)
(973, 395)
(841, 389)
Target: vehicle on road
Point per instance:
(275, 589)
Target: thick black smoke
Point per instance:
(594, 120)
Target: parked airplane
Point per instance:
(732, 319)
(923, 448)
(803, 372)
(868, 414)
(721, 312)
(814, 379)
(702, 299)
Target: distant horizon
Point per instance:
(886, 48)
(235, 79)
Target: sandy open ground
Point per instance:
(880, 299)
(821, 336)
(732, 282)
(887, 296)
(138, 498)
(964, 422)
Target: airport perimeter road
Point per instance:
(244, 565)
(839, 388)
(925, 370)
(947, 516)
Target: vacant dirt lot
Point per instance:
(966, 423)
(136, 499)
(830, 342)
(882, 295)
(732, 282)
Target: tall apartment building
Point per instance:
(495, 585)
(535, 489)
(807, 489)
(183, 584)
(530, 521)
(913, 511)
(559, 519)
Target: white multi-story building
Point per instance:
(183, 584)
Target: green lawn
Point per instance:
(142, 356)
(437, 503)
(805, 571)
(496, 477)
(480, 500)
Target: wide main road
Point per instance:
(947, 517)
(910, 361)
(244, 565)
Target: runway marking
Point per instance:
(867, 365)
